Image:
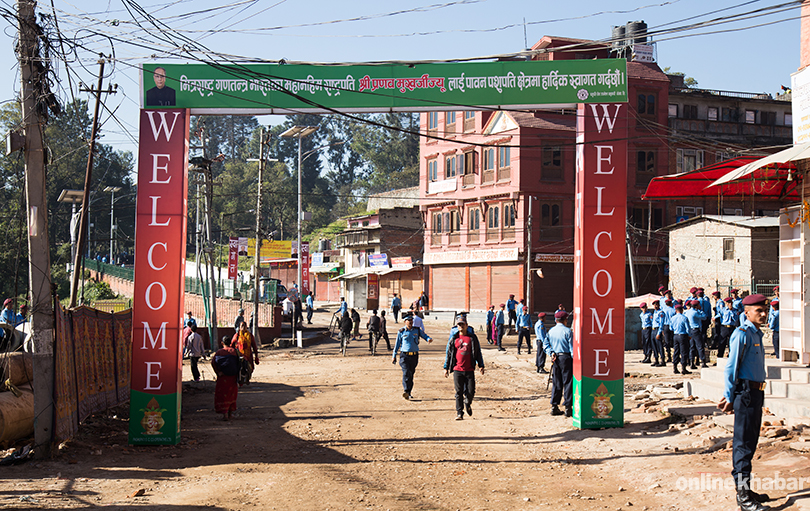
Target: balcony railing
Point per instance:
(488, 176)
(493, 235)
(504, 174)
(472, 237)
(455, 238)
(436, 239)
(468, 180)
(508, 233)
(352, 239)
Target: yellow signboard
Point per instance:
(271, 249)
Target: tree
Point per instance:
(687, 81)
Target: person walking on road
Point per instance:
(559, 346)
(346, 327)
(511, 303)
(462, 354)
(225, 364)
(196, 350)
(310, 308)
(490, 317)
(680, 330)
(373, 327)
(744, 394)
(356, 320)
(646, 317)
(245, 344)
(384, 330)
(408, 347)
(396, 306)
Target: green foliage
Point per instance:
(687, 81)
(66, 140)
(94, 291)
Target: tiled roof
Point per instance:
(646, 71)
(527, 120)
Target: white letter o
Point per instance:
(609, 282)
(149, 291)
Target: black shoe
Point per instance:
(501, 349)
(568, 411)
(676, 371)
(747, 502)
(518, 352)
(693, 367)
(460, 417)
(714, 365)
(684, 371)
(555, 410)
(542, 370)
(645, 361)
(759, 497)
(469, 409)
(704, 365)
(669, 358)
(529, 352)
(406, 396)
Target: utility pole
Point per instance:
(88, 176)
(39, 262)
(529, 256)
(257, 253)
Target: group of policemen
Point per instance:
(676, 331)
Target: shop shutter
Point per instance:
(479, 287)
(505, 282)
(448, 285)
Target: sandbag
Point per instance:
(16, 415)
(16, 366)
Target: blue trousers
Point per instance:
(696, 346)
(562, 378)
(748, 403)
(408, 364)
(525, 333)
(646, 345)
(680, 351)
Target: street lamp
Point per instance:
(73, 197)
(299, 132)
(112, 189)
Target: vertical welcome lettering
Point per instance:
(599, 265)
(160, 252)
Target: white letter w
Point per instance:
(163, 125)
(605, 117)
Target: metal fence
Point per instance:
(122, 272)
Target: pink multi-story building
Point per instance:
(476, 184)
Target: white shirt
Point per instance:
(417, 323)
(287, 306)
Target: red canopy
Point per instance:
(771, 181)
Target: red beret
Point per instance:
(693, 290)
(678, 306)
(525, 307)
(668, 291)
(716, 293)
(8, 301)
(756, 299)
(511, 296)
(668, 301)
(701, 289)
(728, 299)
(643, 305)
(774, 303)
(541, 314)
(560, 315)
(661, 288)
(502, 305)
(735, 290)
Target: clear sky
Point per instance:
(754, 52)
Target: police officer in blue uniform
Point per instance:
(744, 394)
(510, 310)
(695, 316)
(718, 324)
(540, 338)
(408, 343)
(727, 325)
(524, 328)
(773, 324)
(656, 337)
(706, 307)
(679, 324)
(646, 317)
(559, 345)
(669, 337)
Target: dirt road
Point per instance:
(319, 431)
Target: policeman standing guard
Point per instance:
(659, 318)
(646, 333)
(695, 316)
(718, 323)
(669, 336)
(490, 317)
(727, 324)
(680, 329)
(744, 395)
(773, 324)
(408, 343)
(524, 328)
(559, 345)
(540, 338)
(510, 310)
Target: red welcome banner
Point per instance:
(160, 252)
(599, 265)
(233, 257)
(305, 267)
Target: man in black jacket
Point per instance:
(463, 352)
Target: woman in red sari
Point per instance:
(245, 344)
(227, 389)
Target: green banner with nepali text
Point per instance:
(293, 88)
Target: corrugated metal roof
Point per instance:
(741, 220)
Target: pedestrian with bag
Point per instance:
(462, 354)
(245, 344)
(225, 364)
